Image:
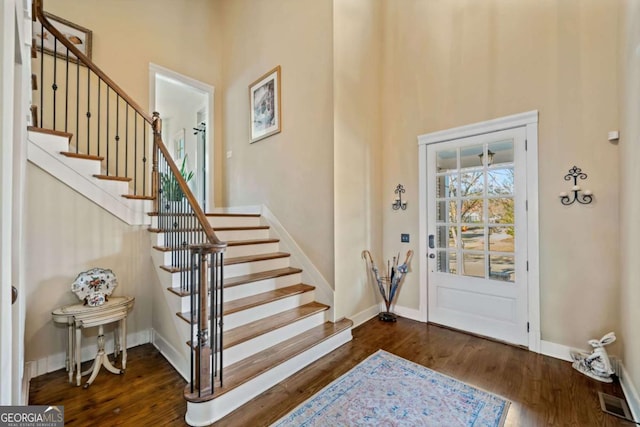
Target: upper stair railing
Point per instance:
(106, 124)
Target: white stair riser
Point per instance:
(234, 221)
(115, 187)
(246, 290)
(252, 314)
(252, 288)
(255, 266)
(53, 142)
(246, 250)
(252, 234)
(233, 270)
(255, 313)
(205, 413)
(256, 345)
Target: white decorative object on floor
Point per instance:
(596, 364)
(79, 316)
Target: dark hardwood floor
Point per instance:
(543, 391)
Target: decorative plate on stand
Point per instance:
(94, 286)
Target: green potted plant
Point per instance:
(169, 183)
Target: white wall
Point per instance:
(629, 147)
(67, 234)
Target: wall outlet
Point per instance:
(404, 238)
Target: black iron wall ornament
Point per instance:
(585, 197)
(397, 202)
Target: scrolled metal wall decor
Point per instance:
(585, 197)
(398, 203)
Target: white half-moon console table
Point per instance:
(79, 316)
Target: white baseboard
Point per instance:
(630, 392)
(35, 368)
(172, 355)
(366, 314)
(557, 351)
(409, 313)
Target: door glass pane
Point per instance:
(471, 211)
(473, 238)
(446, 211)
(501, 210)
(502, 152)
(470, 157)
(501, 239)
(471, 184)
(446, 237)
(473, 264)
(500, 181)
(447, 262)
(446, 160)
(446, 186)
(502, 267)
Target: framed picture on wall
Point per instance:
(264, 102)
(45, 41)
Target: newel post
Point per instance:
(155, 179)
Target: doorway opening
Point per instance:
(186, 109)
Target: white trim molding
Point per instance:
(630, 392)
(529, 121)
(172, 355)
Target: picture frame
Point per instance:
(265, 105)
(178, 144)
(81, 37)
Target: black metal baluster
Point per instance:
(99, 115)
(193, 269)
(54, 86)
(66, 97)
(220, 256)
(88, 110)
(144, 160)
(78, 107)
(135, 157)
(126, 145)
(213, 336)
(117, 133)
(107, 127)
(41, 76)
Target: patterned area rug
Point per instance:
(387, 390)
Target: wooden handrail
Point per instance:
(87, 62)
(197, 210)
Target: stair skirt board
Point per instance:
(205, 413)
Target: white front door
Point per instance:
(477, 234)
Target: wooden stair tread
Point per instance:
(234, 260)
(255, 277)
(247, 278)
(245, 370)
(262, 326)
(136, 197)
(240, 304)
(112, 178)
(251, 242)
(50, 132)
(81, 156)
(252, 215)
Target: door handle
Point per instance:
(14, 294)
(432, 256)
(432, 244)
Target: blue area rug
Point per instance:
(387, 390)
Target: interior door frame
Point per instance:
(157, 70)
(528, 121)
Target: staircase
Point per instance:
(273, 325)
(262, 323)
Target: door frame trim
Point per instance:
(158, 70)
(528, 120)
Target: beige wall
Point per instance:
(67, 234)
(130, 34)
(290, 172)
(451, 63)
(357, 72)
(629, 183)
